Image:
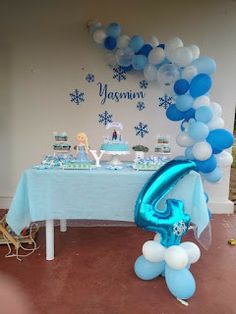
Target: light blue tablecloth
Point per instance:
(75, 194)
(98, 194)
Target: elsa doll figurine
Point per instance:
(82, 147)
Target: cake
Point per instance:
(163, 145)
(61, 144)
(114, 142)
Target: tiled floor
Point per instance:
(93, 274)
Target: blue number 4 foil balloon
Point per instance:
(171, 223)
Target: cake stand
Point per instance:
(115, 161)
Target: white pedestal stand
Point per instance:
(115, 161)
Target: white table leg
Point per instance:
(49, 240)
(63, 225)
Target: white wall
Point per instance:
(46, 52)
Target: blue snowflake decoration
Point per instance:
(141, 129)
(165, 101)
(143, 84)
(140, 105)
(90, 78)
(119, 73)
(105, 118)
(77, 97)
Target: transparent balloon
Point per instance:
(168, 74)
(124, 56)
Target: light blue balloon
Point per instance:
(181, 283)
(184, 102)
(189, 153)
(113, 30)
(205, 65)
(213, 176)
(198, 131)
(136, 43)
(204, 114)
(146, 270)
(139, 62)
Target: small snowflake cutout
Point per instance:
(119, 74)
(179, 228)
(165, 101)
(143, 84)
(140, 105)
(141, 129)
(77, 97)
(90, 78)
(105, 118)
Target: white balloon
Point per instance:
(176, 257)
(224, 159)
(216, 108)
(182, 56)
(189, 72)
(215, 123)
(123, 41)
(156, 55)
(99, 36)
(192, 251)
(150, 72)
(202, 150)
(153, 251)
(110, 59)
(201, 101)
(195, 51)
(153, 41)
(171, 45)
(184, 140)
(157, 237)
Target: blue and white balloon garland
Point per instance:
(186, 76)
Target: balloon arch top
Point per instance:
(184, 75)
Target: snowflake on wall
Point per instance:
(140, 105)
(77, 97)
(165, 101)
(143, 84)
(179, 228)
(105, 118)
(119, 74)
(90, 78)
(141, 129)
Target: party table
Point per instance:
(98, 194)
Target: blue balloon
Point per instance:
(146, 270)
(128, 68)
(181, 283)
(161, 46)
(145, 50)
(181, 86)
(220, 139)
(174, 114)
(139, 62)
(198, 131)
(204, 114)
(184, 102)
(189, 114)
(213, 176)
(149, 217)
(206, 166)
(110, 43)
(205, 65)
(136, 43)
(200, 85)
(189, 153)
(113, 30)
